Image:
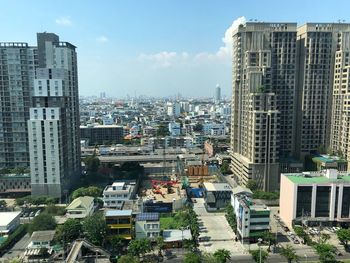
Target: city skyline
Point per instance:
(187, 55)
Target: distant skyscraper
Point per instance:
(53, 128)
(318, 44)
(217, 94)
(263, 100)
(17, 67)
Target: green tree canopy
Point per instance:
(94, 228)
(256, 255)
(128, 259)
(198, 127)
(92, 164)
(343, 235)
(139, 247)
(192, 257)
(252, 185)
(41, 222)
(289, 253)
(225, 168)
(162, 131)
(117, 243)
(325, 252)
(87, 191)
(69, 231)
(222, 255)
(3, 204)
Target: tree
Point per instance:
(139, 247)
(95, 228)
(252, 185)
(128, 259)
(3, 205)
(41, 222)
(162, 131)
(225, 168)
(270, 238)
(198, 127)
(160, 245)
(117, 243)
(192, 257)
(343, 235)
(256, 255)
(92, 164)
(289, 253)
(324, 237)
(325, 252)
(69, 231)
(222, 255)
(209, 258)
(87, 191)
(231, 217)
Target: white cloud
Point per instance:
(63, 21)
(166, 59)
(102, 39)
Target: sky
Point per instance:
(154, 47)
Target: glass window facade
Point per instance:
(304, 201)
(323, 196)
(346, 203)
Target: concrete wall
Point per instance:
(288, 197)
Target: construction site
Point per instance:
(161, 188)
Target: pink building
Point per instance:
(315, 198)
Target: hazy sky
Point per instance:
(153, 47)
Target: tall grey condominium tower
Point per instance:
(303, 70)
(53, 127)
(263, 100)
(340, 124)
(17, 67)
(319, 48)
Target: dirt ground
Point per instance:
(161, 191)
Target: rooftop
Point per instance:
(318, 177)
(328, 159)
(217, 187)
(147, 217)
(171, 235)
(43, 236)
(7, 217)
(118, 212)
(81, 202)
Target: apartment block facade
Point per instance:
(53, 127)
(296, 78)
(318, 46)
(263, 100)
(17, 69)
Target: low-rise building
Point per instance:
(237, 194)
(119, 223)
(9, 221)
(40, 246)
(330, 162)
(313, 198)
(253, 221)
(147, 225)
(102, 134)
(12, 184)
(216, 195)
(80, 207)
(174, 128)
(116, 194)
(174, 237)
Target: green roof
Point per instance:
(81, 202)
(299, 179)
(323, 159)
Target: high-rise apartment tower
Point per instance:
(53, 127)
